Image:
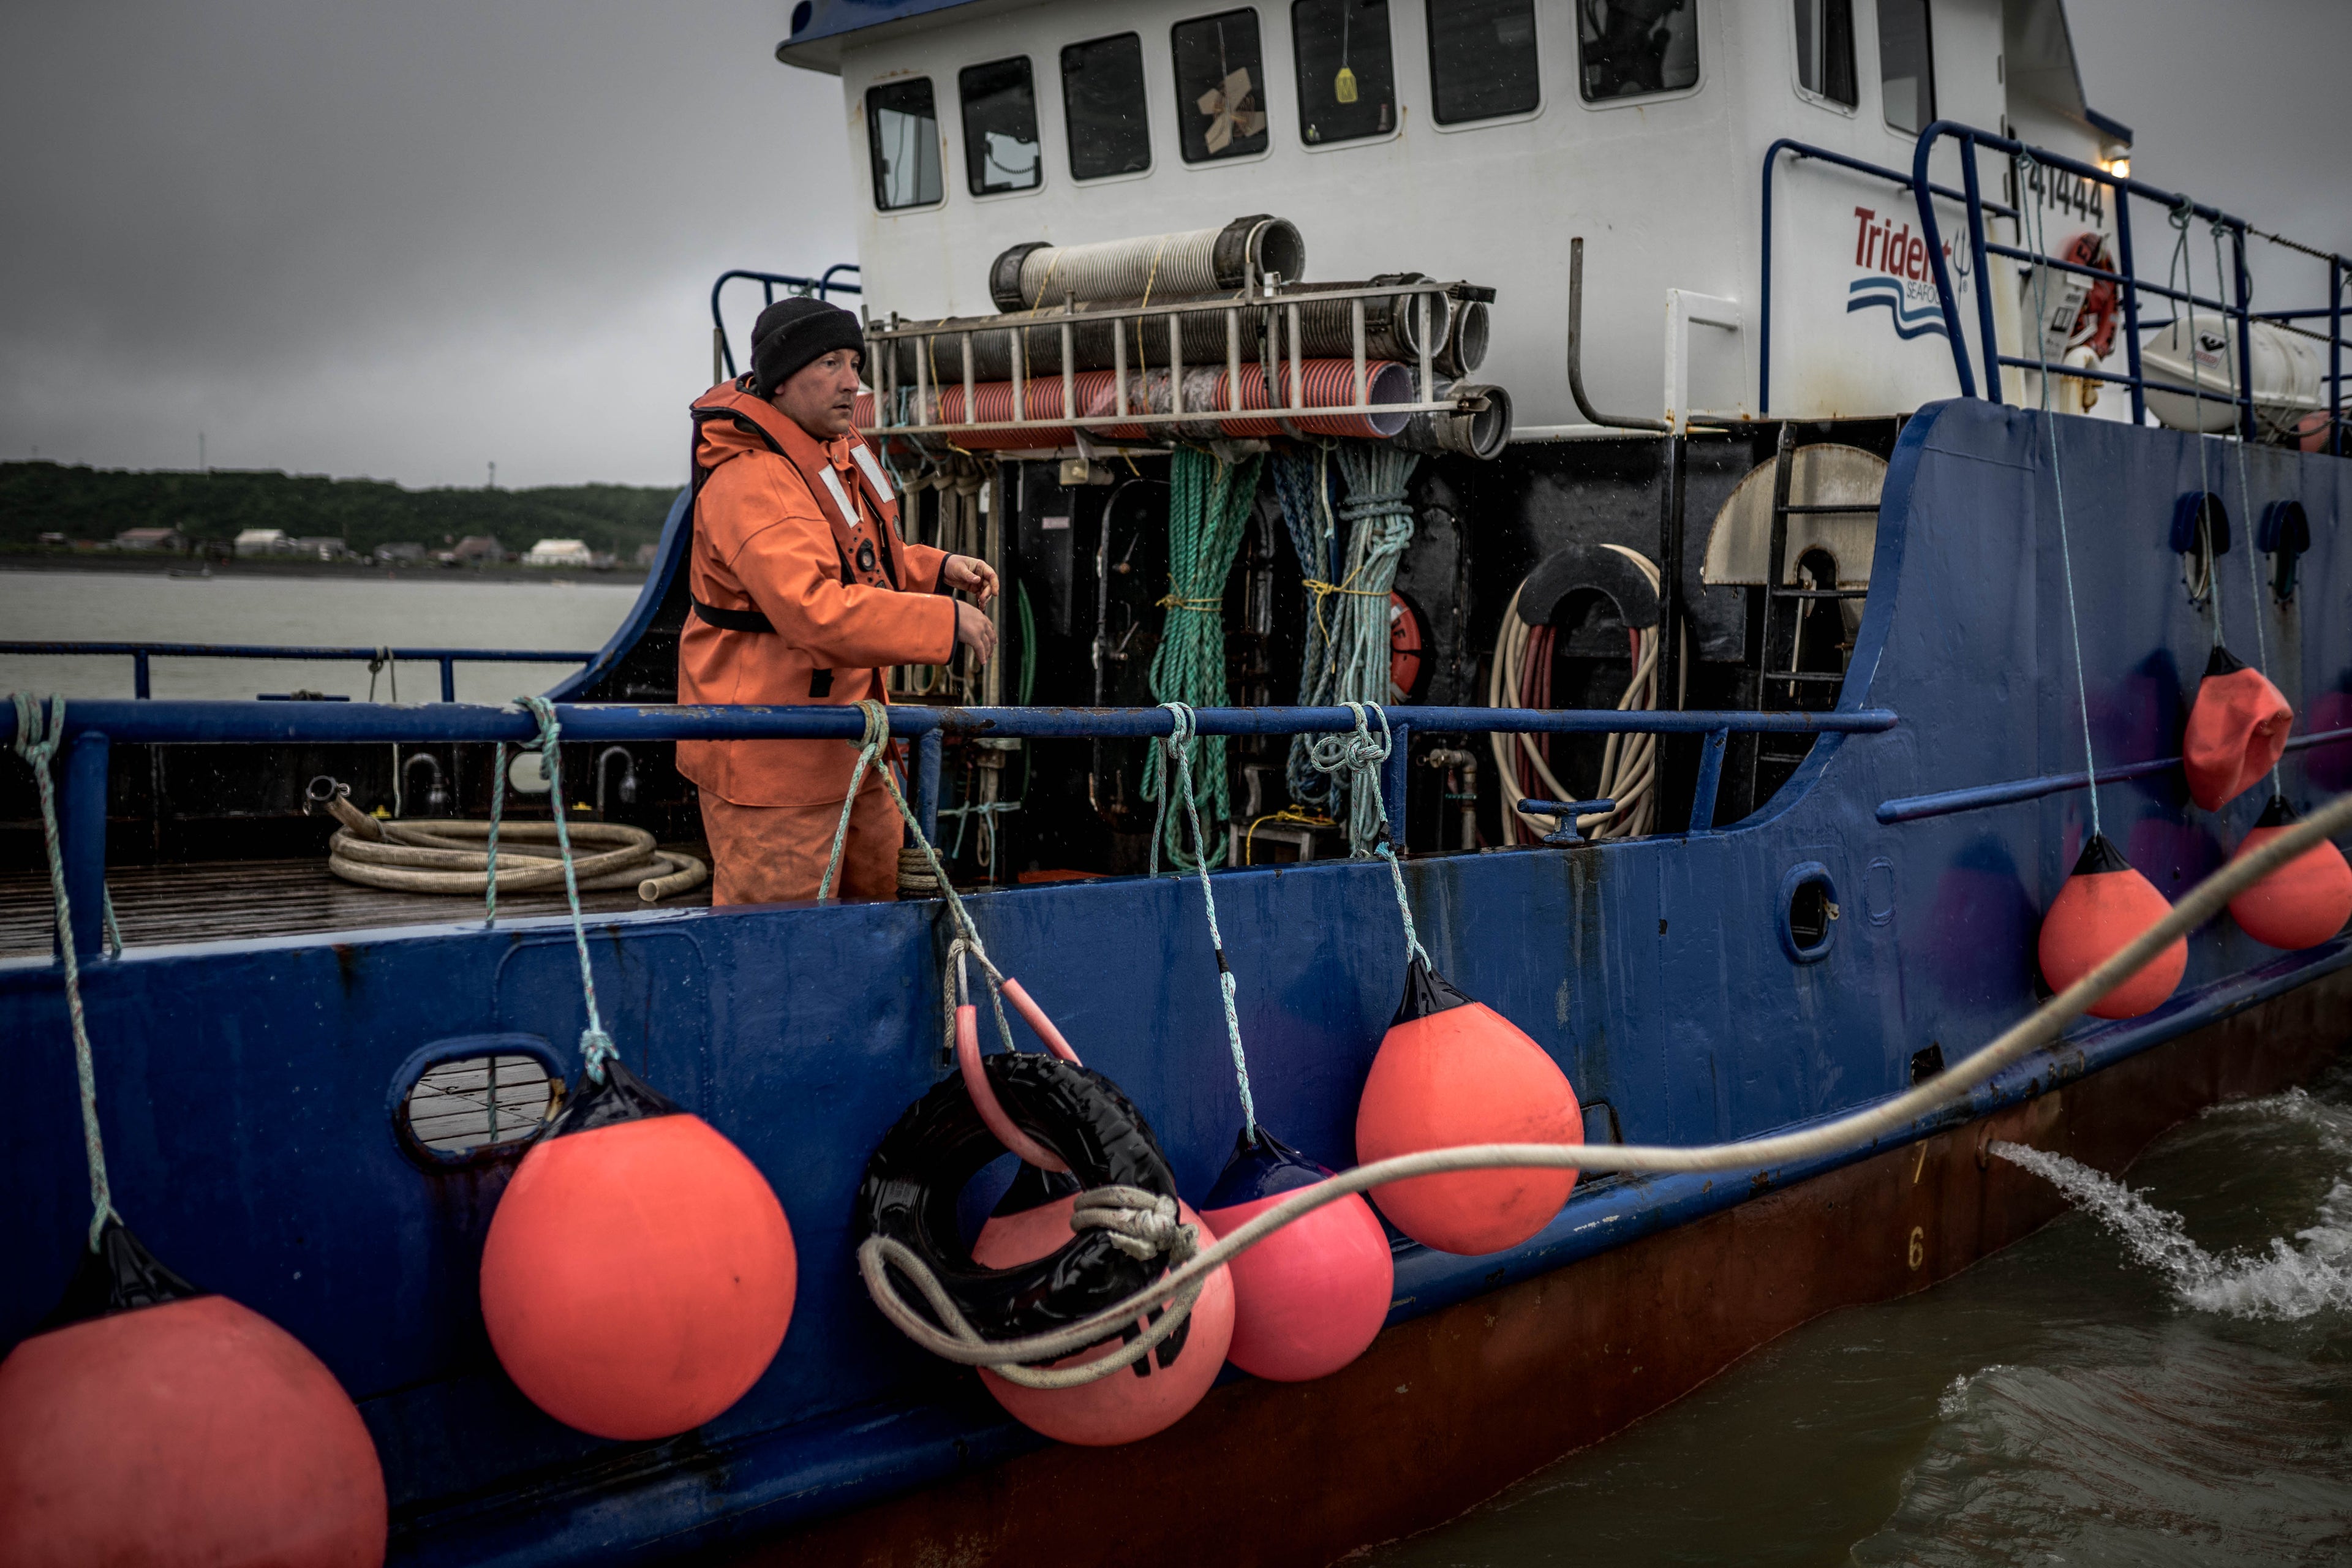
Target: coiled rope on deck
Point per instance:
(958, 1341)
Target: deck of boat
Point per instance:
(227, 900)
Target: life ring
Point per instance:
(941, 1142)
(1408, 638)
(2096, 318)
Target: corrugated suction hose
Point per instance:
(451, 856)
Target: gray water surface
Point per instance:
(415, 611)
(2162, 1377)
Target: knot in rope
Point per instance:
(595, 1046)
(1360, 755)
(1142, 1225)
(869, 746)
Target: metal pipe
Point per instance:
(1576, 353)
(179, 722)
(141, 651)
(1977, 798)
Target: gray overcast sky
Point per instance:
(409, 239)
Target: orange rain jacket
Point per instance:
(803, 533)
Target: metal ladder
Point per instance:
(1778, 684)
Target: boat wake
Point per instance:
(2284, 1280)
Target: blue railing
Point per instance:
(823, 287)
(1979, 797)
(2130, 286)
(141, 654)
(93, 727)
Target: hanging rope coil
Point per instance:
(1347, 644)
(1208, 508)
(1628, 771)
(38, 734)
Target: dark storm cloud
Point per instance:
(409, 238)
(401, 239)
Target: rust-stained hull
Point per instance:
(1445, 1410)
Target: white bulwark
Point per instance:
(1471, 140)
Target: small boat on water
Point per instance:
(1391, 749)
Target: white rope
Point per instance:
(1178, 745)
(1178, 1288)
(2058, 482)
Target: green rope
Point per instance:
(1208, 508)
(36, 743)
(1359, 757)
(595, 1044)
(1178, 745)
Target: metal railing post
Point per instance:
(1991, 346)
(448, 679)
(82, 837)
(928, 746)
(2244, 289)
(2131, 300)
(2336, 352)
(1394, 774)
(1710, 779)
(140, 685)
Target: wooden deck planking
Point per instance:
(229, 900)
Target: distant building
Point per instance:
(322, 547)
(645, 554)
(558, 552)
(170, 539)
(403, 554)
(262, 541)
(479, 550)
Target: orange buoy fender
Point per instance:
(2103, 906)
(1312, 1297)
(639, 1272)
(149, 1422)
(1149, 1396)
(2304, 901)
(2237, 732)
(1454, 1071)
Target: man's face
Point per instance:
(821, 398)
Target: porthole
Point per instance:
(1808, 912)
(461, 1100)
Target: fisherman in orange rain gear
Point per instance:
(803, 593)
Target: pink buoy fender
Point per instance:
(639, 1273)
(2304, 902)
(1312, 1297)
(1149, 1396)
(1453, 1071)
(2104, 905)
(1029, 1271)
(2237, 732)
(148, 1423)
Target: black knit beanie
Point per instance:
(791, 333)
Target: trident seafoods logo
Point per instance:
(1899, 275)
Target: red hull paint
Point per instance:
(1446, 1410)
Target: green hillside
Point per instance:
(98, 503)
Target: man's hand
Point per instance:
(972, 576)
(973, 628)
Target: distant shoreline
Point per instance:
(143, 566)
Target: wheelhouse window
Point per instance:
(1482, 59)
(1825, 50)
(1220, 86)
(1630, 48)
(1906, 65)
(1000, 128)
(1346, 79)
(902, 133)
(1102, 107)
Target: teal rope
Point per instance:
(878, 735)
(595, 1044)
(113, 926)
(2058, 483)
(36, 743)
(1357, 758)
(1208, 508)
(1178, 744)
(498, 805)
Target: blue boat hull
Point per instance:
(248, 1089)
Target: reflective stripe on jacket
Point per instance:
(805, 534)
